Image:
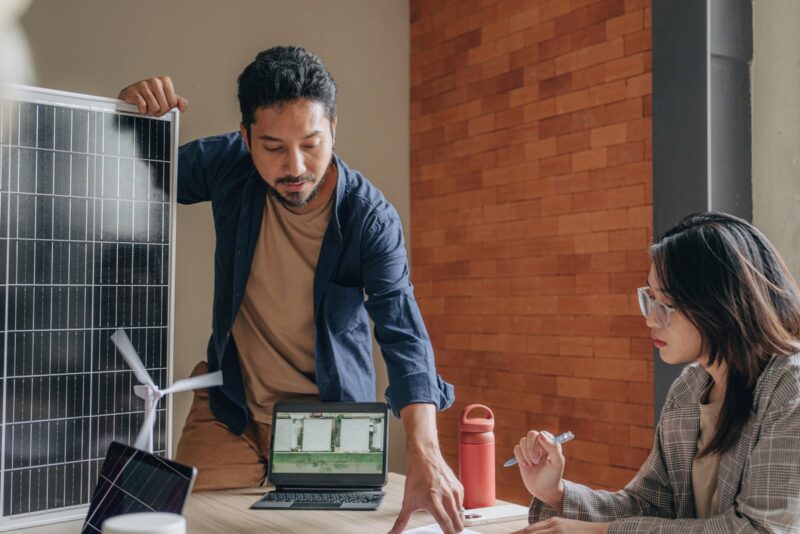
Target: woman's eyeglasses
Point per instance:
(651, 308)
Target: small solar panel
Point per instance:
(134, 481)
(86, 232)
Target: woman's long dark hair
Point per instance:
(729, 281)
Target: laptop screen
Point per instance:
(328, 444)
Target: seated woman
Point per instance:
(726, 455)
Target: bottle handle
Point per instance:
(471, 407)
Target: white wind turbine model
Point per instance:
(150, 392)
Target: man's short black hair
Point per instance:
(282, 74)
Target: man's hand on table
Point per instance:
(430, 483)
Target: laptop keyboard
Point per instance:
(335, 497)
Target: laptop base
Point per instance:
(320, 500)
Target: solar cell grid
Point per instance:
(133, 481)
(85, 229)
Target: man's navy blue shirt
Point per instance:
(362, 253)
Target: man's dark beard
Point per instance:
(298, 203)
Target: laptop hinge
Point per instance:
(309, 489)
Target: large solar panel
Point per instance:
(86, 232)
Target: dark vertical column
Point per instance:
(701, 119)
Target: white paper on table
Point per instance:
(435, 529)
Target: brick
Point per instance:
(609, 135)
(587, 36)
(572, 182)
(624, 24)
(638, 42)
(556, 85)
(555, 166)
(612, 219)
(523, 56)
(635, 239)
(574, 223)
(633, 195)
(480, 125)
(641, 216)
(556, 205)
(539, 33)
(587, 15)
(625, 110)
(573, 142)
(589, 159)
(608, 262)
(609, 390)
(636, 5)
(592, 55)
(639, 85)
(639, 129)
(609, 92)
(581, 346)
(630, 65)
(539, 110)
(591, 284)
(591, 242)
(555, 47)
(573, 101)
(550, 9)
(522, 172)
(612, 347)
(573, 387)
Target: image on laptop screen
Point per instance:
(329, 443)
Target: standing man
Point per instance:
(301, 238)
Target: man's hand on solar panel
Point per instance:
(154, 96)
(430, 483)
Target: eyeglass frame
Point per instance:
(661, 312)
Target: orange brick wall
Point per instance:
(531, 189)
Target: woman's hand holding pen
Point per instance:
(541, 464)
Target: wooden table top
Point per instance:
(228, 512)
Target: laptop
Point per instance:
(327, 456)
(133, 480)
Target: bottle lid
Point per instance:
(477, 424)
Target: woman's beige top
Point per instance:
(705, 469)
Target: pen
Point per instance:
(561, 438)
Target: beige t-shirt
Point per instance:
(705, 469)
(274, 329)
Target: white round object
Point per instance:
(145, 523)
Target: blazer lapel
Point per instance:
(733, 464)
(681, 428)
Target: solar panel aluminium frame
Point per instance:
(92, 103)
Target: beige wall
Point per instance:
(776, 125)
(97, 46)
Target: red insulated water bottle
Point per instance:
(476, 458)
